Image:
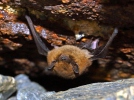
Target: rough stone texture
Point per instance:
(87, 13)
(119, 90)
(116, 13)
(28, 90)
(12, 98)
(7, 86)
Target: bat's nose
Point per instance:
(64, 58)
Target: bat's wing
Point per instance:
(102, 51)
(42, 48)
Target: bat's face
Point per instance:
(71, 61)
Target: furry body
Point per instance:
(64, 69)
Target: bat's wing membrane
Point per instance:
(42, 48)
(102, 51)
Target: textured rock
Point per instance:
(28, 90)
(122, 90)
(7, 86)
(115, 13)
(12, 98)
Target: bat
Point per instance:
(69, 61)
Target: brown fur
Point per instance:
(64, 69)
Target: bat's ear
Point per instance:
(102, 51)
(91, 45)
(42, 48)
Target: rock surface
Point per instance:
(119, 90)
(7, 86)
(28, 90)
(115, 13)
